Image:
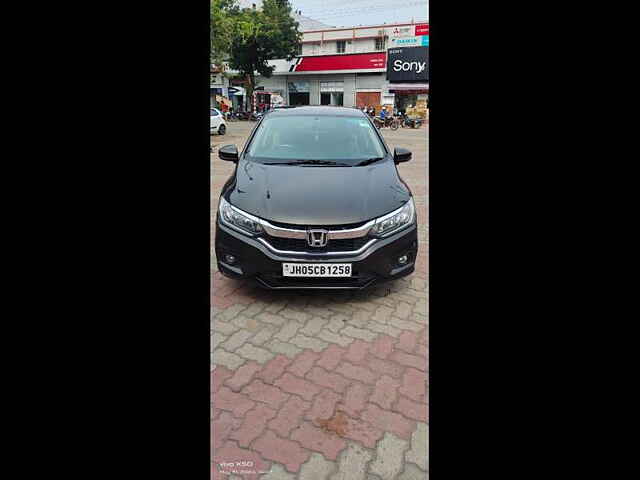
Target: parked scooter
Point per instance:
(407, 122)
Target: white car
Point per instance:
(217, 123)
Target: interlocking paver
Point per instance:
(388, 421)
(357, 351)
(283, 451)
(288, 331)
(274, 368)
(317, 468)
(409, 360)
(323, 406)
(419, 451)
(289, 416)
(285, 348)
(296, 315)
(353, 463)
(298, 386)
(303, 363)
(226, 328)
(355, 399)
(405, 324)
(243, 375)
(216, 339)
(360, 333)
(386, 329)
(385, 392)
(262, 392)
(340, 339)
(228, 359)
(414, 385)
(264, 334)
(278, 473)
(258, 354)
(218, 376)
(316, 439)
(356, 372)
(382, 314)
(330, 357)
(323, 378)
(254, 423)
(411, 409)
(389, 457)
(236, 340)
(314, 326)
(411, 472)
(337, 322)
(237, 404)
(314, 344)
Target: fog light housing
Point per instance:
(403, 259)
(230, 259)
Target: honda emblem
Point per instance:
(317, 238)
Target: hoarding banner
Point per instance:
(422, 29)
(359, 61)
(403, 31)
(408, 64)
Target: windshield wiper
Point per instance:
(369, 161)
(313, 162)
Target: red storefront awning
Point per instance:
(358, 61)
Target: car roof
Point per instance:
(317, 110)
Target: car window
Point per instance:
(342, 139)
(214, 113)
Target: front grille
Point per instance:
(300, 245)
(291, 226)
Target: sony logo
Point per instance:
(399, 65)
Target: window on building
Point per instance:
(341, 46)
(380, 43)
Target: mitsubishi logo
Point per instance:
(317, 238)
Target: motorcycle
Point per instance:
(390, 122)
(408, 122)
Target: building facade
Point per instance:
(349, 67)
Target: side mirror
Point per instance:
(401, 155)
(228, 153)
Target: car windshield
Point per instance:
(321, 138)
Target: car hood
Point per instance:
(317, 195)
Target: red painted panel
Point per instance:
(360, 61)
(422, 29)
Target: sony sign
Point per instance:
(408, 64)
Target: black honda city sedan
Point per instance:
(316, 202)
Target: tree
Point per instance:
(222, 26)
(262, 35)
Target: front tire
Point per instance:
(222, 130)
(394, 125)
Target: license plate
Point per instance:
(316, 269)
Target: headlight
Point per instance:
(235, 218)
(395, 221)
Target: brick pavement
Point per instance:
(322, 385)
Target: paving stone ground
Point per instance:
(322, 385)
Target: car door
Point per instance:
(214, 119)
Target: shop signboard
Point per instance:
(399, 32)
(408, 64)
(356, 61)
(422, 29)
(421, 41)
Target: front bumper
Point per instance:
(256, 261)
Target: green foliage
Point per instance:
(248, 38)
